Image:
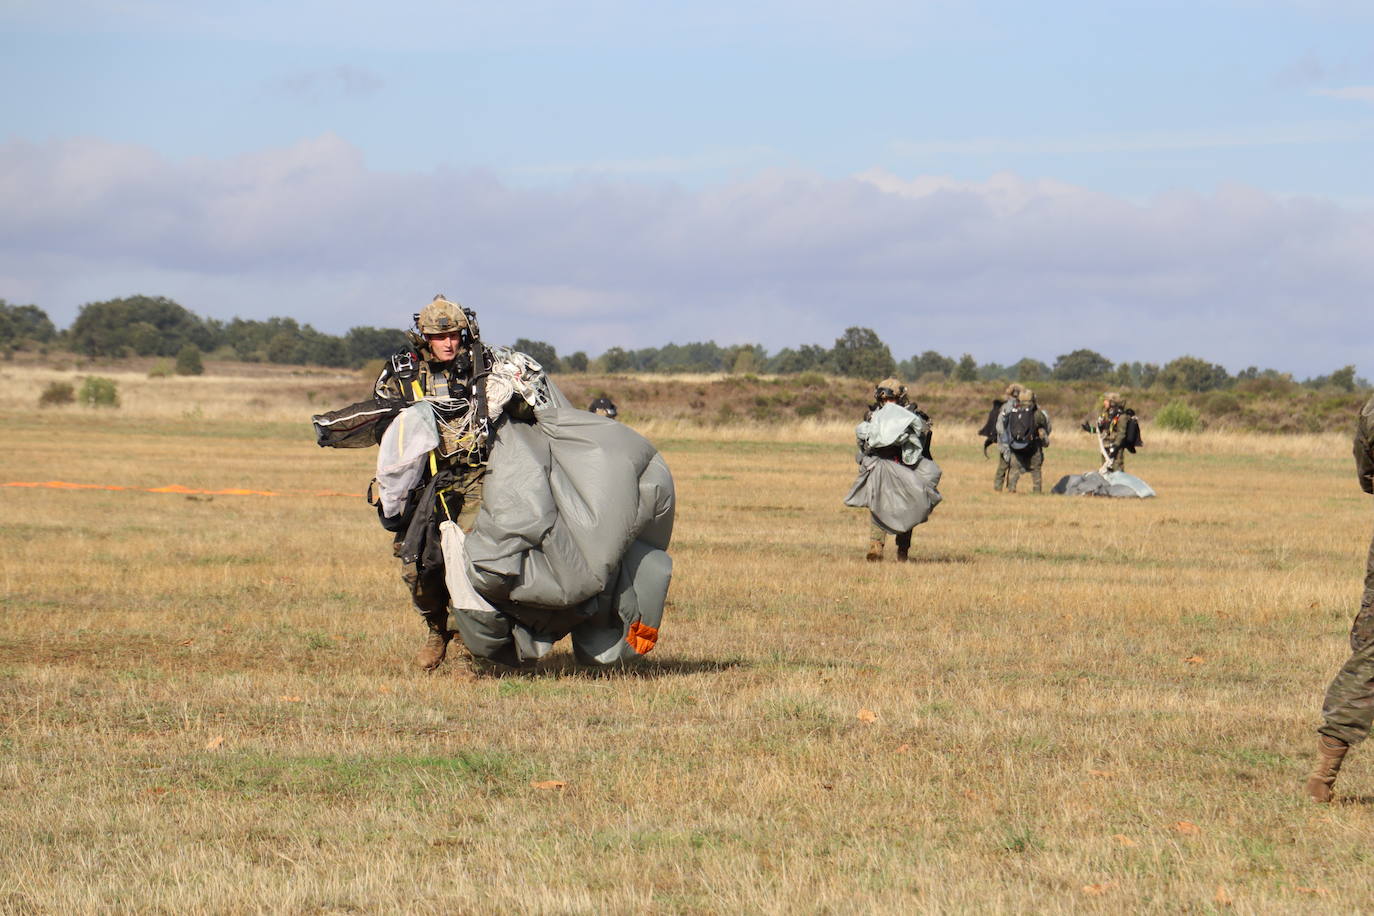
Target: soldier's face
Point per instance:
(443, 346)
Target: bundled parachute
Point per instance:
(571, 539)
(897, 482)
(1118, 484)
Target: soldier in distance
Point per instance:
(891, 391)
(1025, 430)
(994, 431)
(1116, 430)
(603, 406)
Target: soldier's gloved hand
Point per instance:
(1087, 427)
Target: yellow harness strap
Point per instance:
(433, 459)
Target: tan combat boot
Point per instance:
(436, 644)
(1330, 756)
(875, 552)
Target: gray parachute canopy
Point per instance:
(898, 494)
(1110, 483)
(572, 538)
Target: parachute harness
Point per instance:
(461, 431)
(464, 426)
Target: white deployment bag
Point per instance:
(401, 456)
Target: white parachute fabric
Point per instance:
(889, 425)
(572, 537)
(1117, 484)
(402, 454)
(515, 373)
(461, 595)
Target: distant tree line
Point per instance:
(157, 326)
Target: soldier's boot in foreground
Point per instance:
(903, 546)
(875, 552)
(902, 554)
(431, 654)
(1330, 756)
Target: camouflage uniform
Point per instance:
(1349, 705)
(999, 476)
(1031, 459)
(1112, 426)
(1348, 708)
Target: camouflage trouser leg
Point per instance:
(877, 533)
(1000, 475)
(1030, 460)
(428, 590)
(1119, 462)
(1348, 709)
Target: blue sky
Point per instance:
(1001, 178)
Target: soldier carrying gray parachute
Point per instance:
(517, 519)
(898, 480)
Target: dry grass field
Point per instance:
(1063, 705)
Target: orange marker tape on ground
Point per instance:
(170, 488)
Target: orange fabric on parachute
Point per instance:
(641, 638)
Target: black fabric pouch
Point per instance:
(356, 426)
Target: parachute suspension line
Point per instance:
(433, 460)
(458, 424)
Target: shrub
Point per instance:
(188, 361)
(1221, 403)
(1179, 417)
(56, 393)
(161, 369)
(98, 392)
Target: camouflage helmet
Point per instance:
(893, 386)
(441, 317)
(1028, 396)
(1112, 399)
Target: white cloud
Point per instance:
(1143, 141)
(342, 81)
(1001, 268)
(1352, 93)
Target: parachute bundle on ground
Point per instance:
(1117, 484)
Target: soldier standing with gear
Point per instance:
(1348, 710)
(999, 432)
(448, 368)
(1029, 431)
(1112, 427)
